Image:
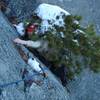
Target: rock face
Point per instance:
(21, 8)
(10, 65)
(86, 8)
(85, 87)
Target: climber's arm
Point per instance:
(29, 43)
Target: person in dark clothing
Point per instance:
(29, 31)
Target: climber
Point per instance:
(40, 45)
(25, 35)
(25, 32)
(33, 63)
(30, 30)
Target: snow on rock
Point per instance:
(79, 31)
(76, 41)
(62, 34)
(48, 12)
(50, 15)
(76, 22)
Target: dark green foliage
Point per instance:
(78, 18)
(90, 30)
(70, 25)
(95, 57)
(86, 45)
(35, 37)
(35, 18)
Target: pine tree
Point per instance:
(65, 50)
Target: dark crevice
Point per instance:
(60, 72)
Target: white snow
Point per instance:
(20, 28)
(74, 40)
(34, 64)
(76, 22)
(79, 31)
(67, 57)
(62, 34)
(77, 43)
(48, 12)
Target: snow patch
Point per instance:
(48, 12)
(76, 22)
(50, 15)
(79, 31)
(77, 43)
(62, 34)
